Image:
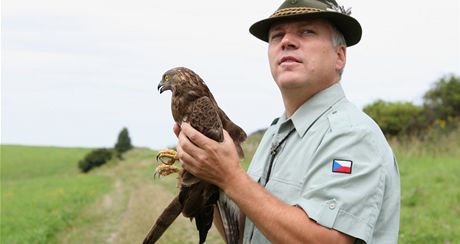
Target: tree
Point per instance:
(124, 141)
(395, 118)
(443, 99)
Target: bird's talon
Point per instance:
(165, 170)
(167, 156)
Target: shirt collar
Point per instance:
(314, 107)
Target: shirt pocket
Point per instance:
(287, 191)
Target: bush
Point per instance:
(124, 142)
(443, 99)
(94, 158)
(395, 118)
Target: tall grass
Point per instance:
(430, 196)
(42, 191)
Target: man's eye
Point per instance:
(307, 32)
(275, 36)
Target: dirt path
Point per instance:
(126, 213)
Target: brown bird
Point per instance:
(193, 102)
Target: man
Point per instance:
(323, 172)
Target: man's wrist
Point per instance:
(234, 181)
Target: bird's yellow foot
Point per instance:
(167, 156)
(165, 170)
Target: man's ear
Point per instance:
(341, 52)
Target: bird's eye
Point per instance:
(166, 77)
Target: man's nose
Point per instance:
(289, 41)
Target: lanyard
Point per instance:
(273, 152)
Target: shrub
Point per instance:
(395, 118)
(94, 158)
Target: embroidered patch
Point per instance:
(341, 166)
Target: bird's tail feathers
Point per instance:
(203, 222)
(164, 221)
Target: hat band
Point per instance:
(293, 11)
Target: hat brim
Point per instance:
(347, 25)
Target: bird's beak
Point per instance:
(161, 87)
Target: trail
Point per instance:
(126, 213)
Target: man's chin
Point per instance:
(289, 79)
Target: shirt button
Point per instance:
(331, 206)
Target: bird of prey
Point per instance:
(193, 102)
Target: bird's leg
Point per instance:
(167, 158)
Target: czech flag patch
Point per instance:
(341, 166)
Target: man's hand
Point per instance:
(217, 163)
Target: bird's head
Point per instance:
(178, 78)
(167, 81)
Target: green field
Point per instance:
(46, 200)
(430, 199)
(43, 192)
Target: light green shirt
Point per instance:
(362, 200)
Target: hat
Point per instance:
(328, 9)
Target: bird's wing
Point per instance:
(230, 215)
(238, 135)
(203, 115)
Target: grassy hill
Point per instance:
(42, 191)
(46, 200)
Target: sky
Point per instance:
(74, 73)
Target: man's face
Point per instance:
(301, 55)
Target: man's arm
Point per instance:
(218, 163)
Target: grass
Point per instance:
(100, 221)
(42, 191)
(430, 194)
(25, 162)
(430, 199)
(46, 200)
(126, 212)
(250, 146)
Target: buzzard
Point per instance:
(192, 102)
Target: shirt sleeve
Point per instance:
(347, 200)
